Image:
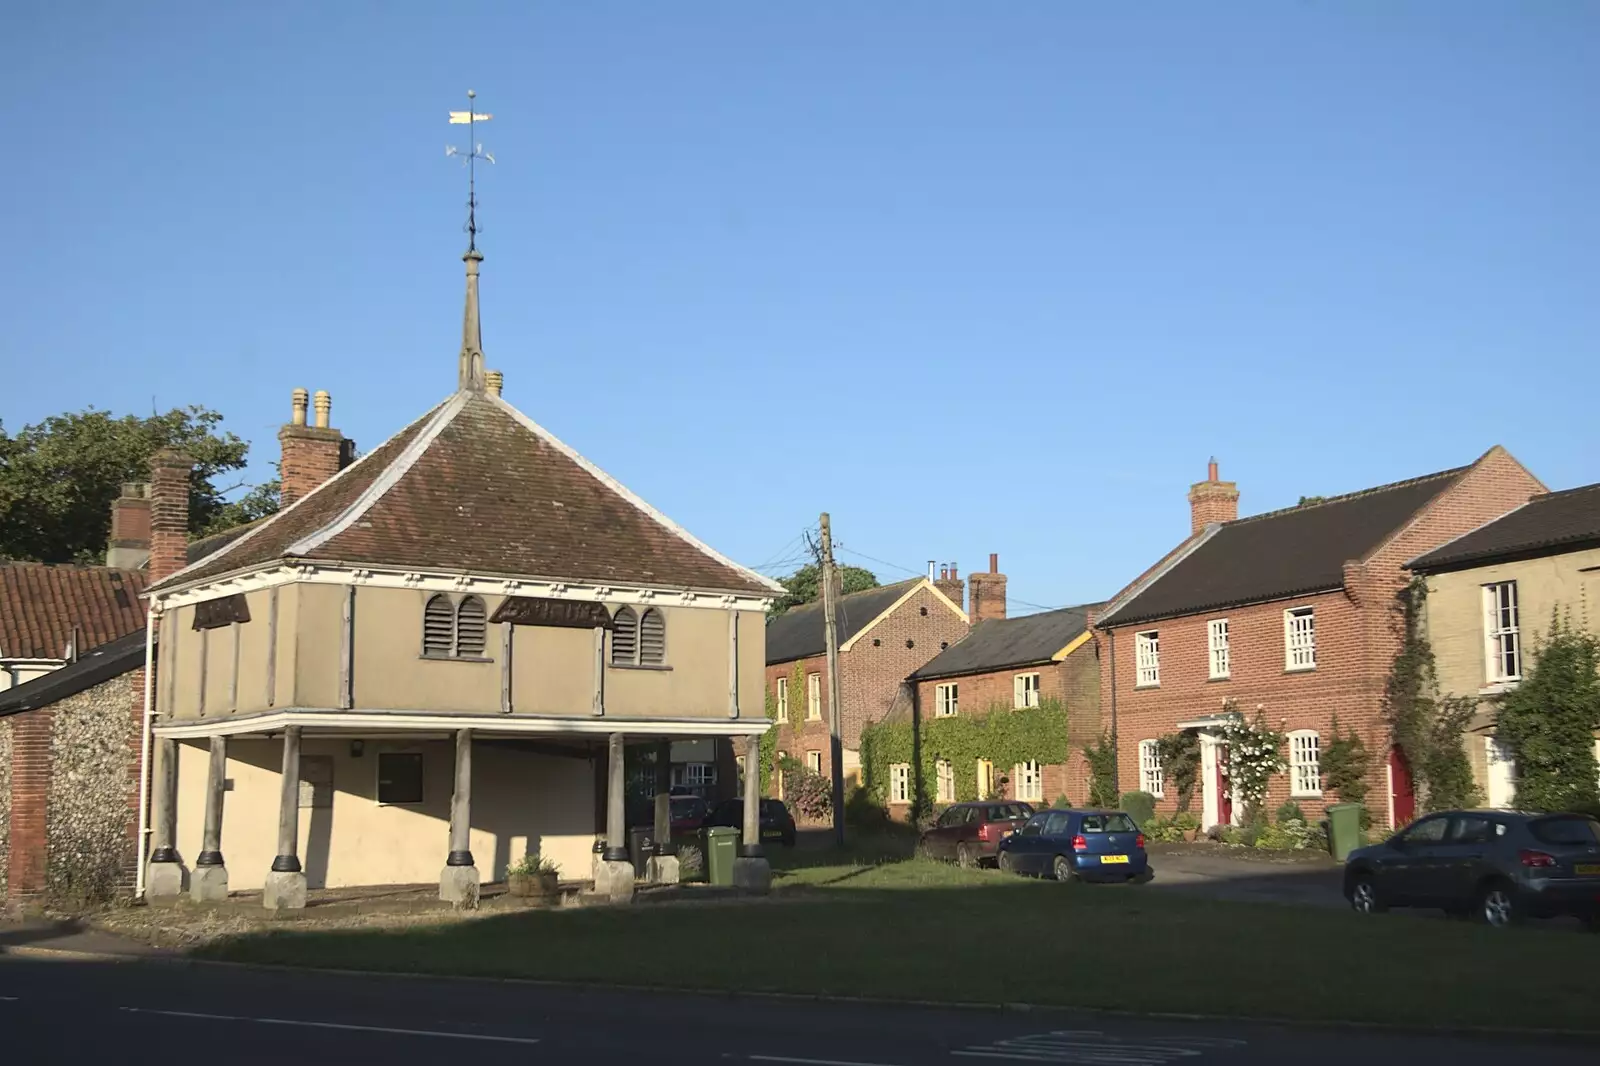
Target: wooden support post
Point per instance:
(663, 812)
(616, 797)
(288, 858)
(461, 803)
(216, 784)
(163, 802)
(751, 844)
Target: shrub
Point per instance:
(1549, 720)
(1062, 803)
(1344, 765)
(1179, 755)
(1160, 830)
(1101, 755)
(532, 863)
(1290, 812)
(1141, 806)
(1290, 834)
(806, 791)
(691, 862)
(861, 811)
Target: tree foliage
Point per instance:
(805, 585)
(1179, 754)
(1344, 762)
(1101, 755)
(1426, 724)
(1548, 721)
(58, 478)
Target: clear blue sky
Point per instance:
(973, 277)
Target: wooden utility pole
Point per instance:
(831, 635)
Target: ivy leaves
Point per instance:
(1179, 754)
(1426, 724)
(1549, 721)
(1003, 736)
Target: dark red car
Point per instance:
(970, 833)
(688, 814)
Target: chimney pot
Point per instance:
(494, 381)
(953, 575)
(1211, 470)
(1212, 500)
(298, 401)
(324, 404)
(311, 454)
(994, 562)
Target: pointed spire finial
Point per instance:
(470, 373)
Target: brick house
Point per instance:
(1014, 662)
(1491, 593)
(1289, 612)
(884, 634)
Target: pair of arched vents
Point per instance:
(454, 630)
(638, 639)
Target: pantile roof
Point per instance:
(48, 611)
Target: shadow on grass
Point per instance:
(918, 930)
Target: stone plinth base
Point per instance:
(163, 881)
(458, 885)
(209, 884)
(752, 875)
(615, 879)
(284, 891)
(663, 870)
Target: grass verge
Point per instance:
(927, 931)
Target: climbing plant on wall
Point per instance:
(1426, 724)
(1549, 720)
(1005, 736)
(798, 697)
(1101, 755)
(1180, 765)
(1255, 754)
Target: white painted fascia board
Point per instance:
(1211, 530)
(627, 494)
(895, 606)
(385, 481)
(171, 580)
(497, 723)
(313, 573)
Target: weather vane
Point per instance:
(470, 156)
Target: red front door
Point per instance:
(1224, 788)
(1402, 794)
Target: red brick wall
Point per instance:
(870, 673)
(311, 455)
(169, 514)
(1355, 647)
(30, 790)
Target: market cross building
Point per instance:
(432, 662)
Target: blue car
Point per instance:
(1077, 846)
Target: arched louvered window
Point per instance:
(438, 627)
(471, 621)
(625, 638)
(652, 638)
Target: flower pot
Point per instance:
(539, 886)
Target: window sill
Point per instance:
(1141, 688)
(1500, 688)
(1219, 677)
(456, 658)
(1300, 669)
(1305, 795)
(657, 667)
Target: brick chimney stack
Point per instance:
(169, 513)
(311, 454)
(988, 592)
(129, 548)
(1212, 500)
(949, 583)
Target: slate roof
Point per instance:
(475, 486)
(1282, 553)
(1001, 643)
(109, 660)
(41, 604)
(1549, 523)
(798, 632)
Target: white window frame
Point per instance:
(783, 699)
(1151, 779)
(814, 761)
(1299, 639)
(900, 783)
(699, 774)
(777, 773)
(946, 775)
(1305, 763)
(946, 700)
(1027, 780)
(1147, 659)
(1217, 647)
(1502, 631)
(1025, 690)
(814, 697)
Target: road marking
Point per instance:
(8, 999)
(335, 1025)
(1094, 1048)
(813, 1062)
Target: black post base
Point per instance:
(615, 855)
(286, 864)
(460, 858)
(209, 858)
(164, 855)
(751, 851)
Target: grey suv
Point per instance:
(1495, 866)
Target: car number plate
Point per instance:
(1113, 858)
(1587, 869)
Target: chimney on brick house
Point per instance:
(988, 592)
(951, 585)
(1212, 500)
(311, 454)
(169, 513)
(129, 548)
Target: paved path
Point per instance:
(1223, 876)
(149, 1012)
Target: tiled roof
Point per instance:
(1281, 553)
(1549, 523)
(475, 486)
(798, 632)
(1005, 642)
(41, 606)
(99, 664)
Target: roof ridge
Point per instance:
(1404, 483)
(272, 520)
(1561, 492)
(78, 567)
(816, 604)
(624, 492)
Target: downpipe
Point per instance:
(142, 840)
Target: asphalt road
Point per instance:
(158, 1013)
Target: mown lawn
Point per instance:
(923, 930)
